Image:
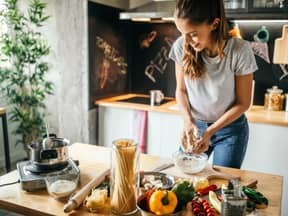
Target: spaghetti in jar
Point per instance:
(124, 180)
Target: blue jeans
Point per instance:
(229, 143)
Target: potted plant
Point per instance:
(23, 69)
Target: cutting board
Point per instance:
(281, 48)
(208, 172)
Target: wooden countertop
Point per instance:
(114, 102)
(93, 159)
(256, 114)
(2, 110)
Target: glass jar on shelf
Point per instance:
(274, 99)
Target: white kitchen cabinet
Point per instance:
(163, 130)
(164, 133)
(114, 123)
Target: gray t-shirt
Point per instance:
(214, 93)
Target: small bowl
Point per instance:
(141, 205)
(62, 184)
(190, 163)
(156, 180)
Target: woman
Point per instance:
(214, 75)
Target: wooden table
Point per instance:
(94, 159)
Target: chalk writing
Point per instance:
(284, 68)
(112, 54)
(159, 63)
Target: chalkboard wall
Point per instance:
(151, 68)
(145, 47)
(268, 74)
(108, 67)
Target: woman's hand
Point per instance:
(202, 144)
(189, 136)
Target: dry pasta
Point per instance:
(124, 183)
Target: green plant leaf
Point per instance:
(23, 71)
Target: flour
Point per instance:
(62, 188)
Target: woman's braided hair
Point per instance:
(200, 12)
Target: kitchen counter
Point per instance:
(93, 159)
(256, 114)
(114, 102)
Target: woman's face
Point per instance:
(198, 36)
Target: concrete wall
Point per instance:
(67, 109)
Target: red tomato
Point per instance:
(206, 207)
(196, 210)
(204, 201)
(148, 196)
(210, 210)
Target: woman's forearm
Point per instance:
(184, 105)
(229, 116)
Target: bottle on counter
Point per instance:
(233, 200)
(274, 99)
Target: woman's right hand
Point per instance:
(189, 136)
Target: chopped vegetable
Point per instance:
(260, 200)
(200, 183)
(148, 196)
(163, 202)
(98, 199)
(206, 190)
(201, 207)
(184, 191)
(215, 202)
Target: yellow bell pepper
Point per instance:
(163, 202)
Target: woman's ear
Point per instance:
(215, 23)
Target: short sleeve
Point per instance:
(246, 62)
(176, 51)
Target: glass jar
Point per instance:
(124, 181)
(233, 201)
(274, 99)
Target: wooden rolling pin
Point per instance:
(76, 200)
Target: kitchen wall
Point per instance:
(67, 109)
(269, 74)
(151, 67)
(108, 66)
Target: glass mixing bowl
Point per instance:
(190, 163)
(62, 184)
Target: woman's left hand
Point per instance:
(202, 144)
